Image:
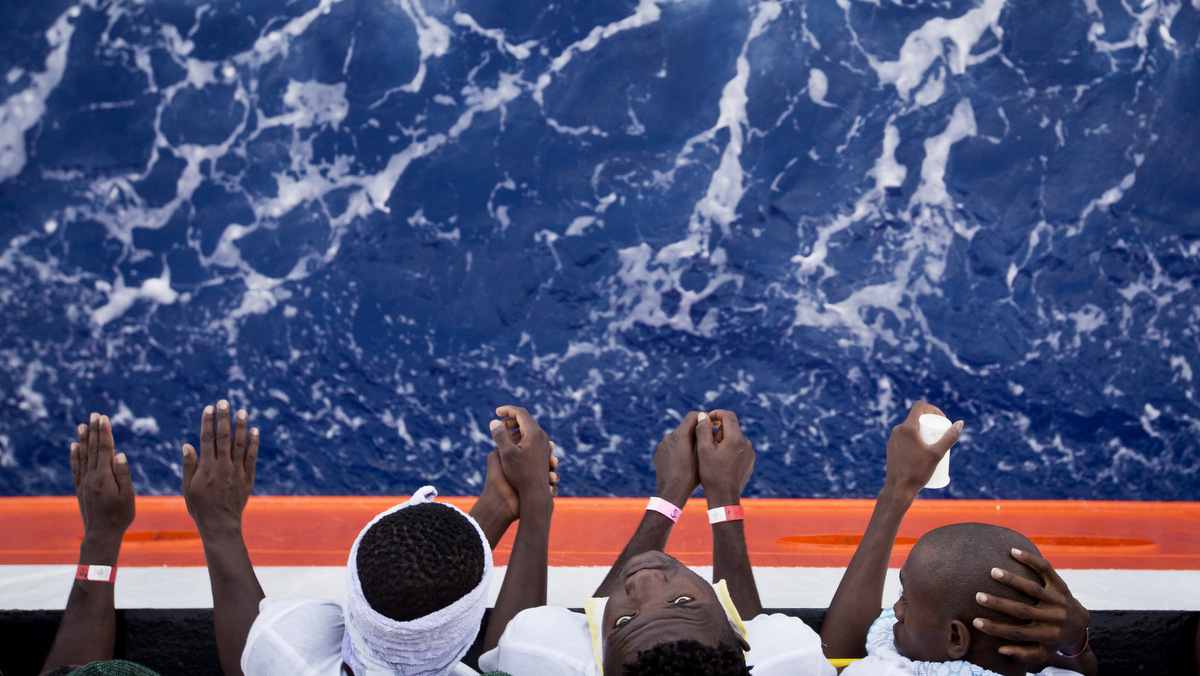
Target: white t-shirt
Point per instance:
(300, 637)
(884, 660)
(554, 640)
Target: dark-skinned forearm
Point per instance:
(859, 596)
(526, 579)
(236, 593)
(493, 516)
(89, 624)
(731, 561)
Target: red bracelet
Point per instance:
(96, 573)
(665, 508)
(1086, 637)
(727, 513)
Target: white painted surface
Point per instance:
(47, 587)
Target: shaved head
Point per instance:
(961, 557)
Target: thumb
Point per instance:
(704, 434)
(189, 465)
(121, 474)
(500, 434)
(949, 438)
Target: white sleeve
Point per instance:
(543, 640)
(295, 637)
(1058, 671)
(876, 666)
(782, 644)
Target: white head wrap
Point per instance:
(376, 645)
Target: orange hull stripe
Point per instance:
(318, 531)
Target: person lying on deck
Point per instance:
(86, 636)
(659, 616)
(976, 599)
(417, 576)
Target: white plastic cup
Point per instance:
(932, 427)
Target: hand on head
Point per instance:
(522, 466)
(218, 480)
(102, 483)
(726, 457)
(1056, 623)
(910, 461)
(675, 465)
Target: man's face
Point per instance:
(656, 600)
(920, 633)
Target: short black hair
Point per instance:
(689, 658)
(418, 560)
(963, 557)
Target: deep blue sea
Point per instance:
(370, 222)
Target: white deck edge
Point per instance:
(43, 587)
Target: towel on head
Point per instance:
(377, 645)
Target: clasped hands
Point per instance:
(706, 450)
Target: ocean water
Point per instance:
(372, 221)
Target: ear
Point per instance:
(740, 639)
(959, 640)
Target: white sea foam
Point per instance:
(22, 110)
(121, 297)
(926, 45)
(818, 87)
(520, 52)
(647, 12)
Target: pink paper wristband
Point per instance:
(665, 508)
(727, 513)
(96, 573)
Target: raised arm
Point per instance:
(726, 463)
(678, 476)
(216, 486)
(859, 596)
(499, 506)
(106, 503)
(524, 465)
(1052, 633)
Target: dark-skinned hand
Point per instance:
(910, 461)
(1056, 623)
(726, 458)
(102, 482)
(675, 465)
(218, 480)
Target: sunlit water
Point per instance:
(370, 222)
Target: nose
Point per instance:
(898, 608)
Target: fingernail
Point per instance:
(495, 425)
(702, 416)
(81, 429)
(241, 416)
(95, 418)
(997, 573)
(222, 405)
(208, 410)
(981, 597)
(254, 433)
(121, 459)
(1017, 552)
(978, 623)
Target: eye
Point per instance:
(683, 600)
(902, 596)
(622, 620)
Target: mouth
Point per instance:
(651, 560)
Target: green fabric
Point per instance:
(114, 668)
